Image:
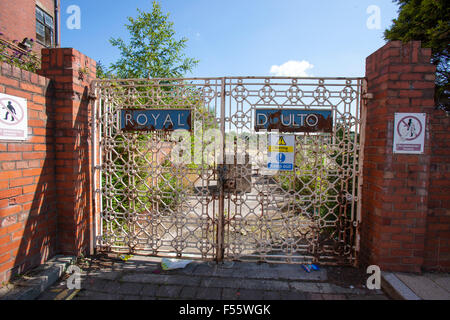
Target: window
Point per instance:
(44, 27)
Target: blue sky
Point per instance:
(246, 37)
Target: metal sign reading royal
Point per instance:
(294, 120)
(13, 118)
(155, 119)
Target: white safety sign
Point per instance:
(281, 154)
(13, 118)
(409, 133)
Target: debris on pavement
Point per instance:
(172, 264)
(315, 267)
(125, 257)
(306, 268)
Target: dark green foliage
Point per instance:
(102, 72)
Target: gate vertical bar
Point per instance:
(362, 131)
(93, 240)
(221, 180)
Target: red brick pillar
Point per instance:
(71, 73)
(395, 191)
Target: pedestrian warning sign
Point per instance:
(281, 152)
(409, 133)
(13, 118)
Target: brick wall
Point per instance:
(71, 73)
(28, 217)
(399, 231)
(437, 237)
(12, 11)
(45, 195)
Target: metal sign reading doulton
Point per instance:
(155, 119)
(13, 118)
(294, 120)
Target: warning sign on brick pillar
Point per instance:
(409, 133)
(13, 118)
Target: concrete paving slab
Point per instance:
(424, 287)
(289, 295)
(189, 292)
(290, 272)
(209, 293)
(149, 290)
(172, 292)
(306, 287)
(395, 288)
(161, 279)
(441, 279)
(252, 295)
(209, 281)
(230, 294)
(107, 275)
(272, 295)
(131, 288)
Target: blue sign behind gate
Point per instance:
(155, 119)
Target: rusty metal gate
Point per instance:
(220, 202)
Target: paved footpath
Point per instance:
(106, 278)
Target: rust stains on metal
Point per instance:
(275, 120)
(153, 119)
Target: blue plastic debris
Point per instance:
(315, 268)
(306, 268)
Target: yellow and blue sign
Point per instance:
(155, 119)
(281, 154)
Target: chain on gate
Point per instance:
(221, 202)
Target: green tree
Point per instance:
(152, 51)
(102, 71)
(428, 21)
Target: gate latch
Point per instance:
(222, 170)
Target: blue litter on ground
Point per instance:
(314, 267)
(306, 268)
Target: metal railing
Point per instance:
(147, 204)
(13, 54)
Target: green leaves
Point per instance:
(153, 51)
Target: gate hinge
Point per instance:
(91, 92)
(368, 96)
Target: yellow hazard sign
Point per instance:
(281, 142)
(281, 149)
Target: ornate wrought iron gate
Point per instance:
(221, 203)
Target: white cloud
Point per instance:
(292, 68)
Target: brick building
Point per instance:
(23, 20)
